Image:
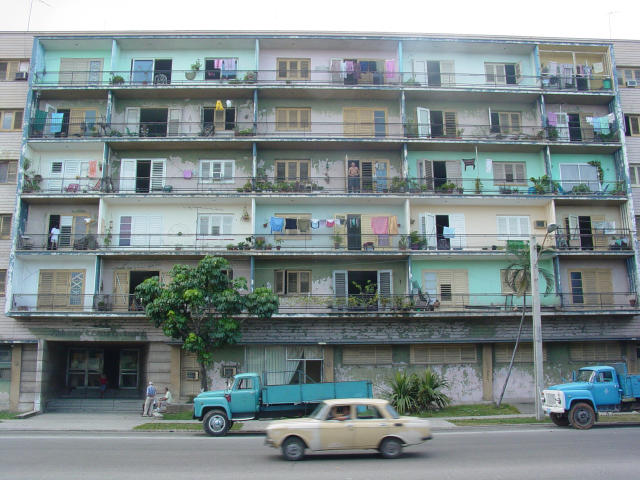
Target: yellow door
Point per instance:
(336, 434)
(370, 426)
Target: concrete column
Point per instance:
(175, 371)
(16, 373)
(631, 353)
(38, 387)
(327, 371)
(487, 372)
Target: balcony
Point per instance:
(401, 305)
(325, 78)
(600, 239)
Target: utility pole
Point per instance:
(537, 326)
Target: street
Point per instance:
(521, 452)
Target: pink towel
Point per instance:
(389, 69)
(330, 223)
(93, 168)
(380, 225)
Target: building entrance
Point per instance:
(120, 365)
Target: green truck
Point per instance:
(249, 398)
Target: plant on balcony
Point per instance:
(245, 132)
(544, 184)
(399, 185)
(552, 133)
(598, 165)
(581, 189)
(504, 190)
(447, 187)
(337, 240)
(116, 79)
(366, 298)
(250, 77)
(200, 306)
(479, 186)
(403, 242)
(619, 189)
(416, 241)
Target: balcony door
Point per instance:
(142, 176)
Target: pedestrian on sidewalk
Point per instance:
(149, 401)
(103, 384)
(165, 400)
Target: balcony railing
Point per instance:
(351, 304)
(379, 130)
(188, 183)
(328, 77)
(322, 239)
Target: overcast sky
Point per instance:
(569, 18)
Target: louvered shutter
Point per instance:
(350, 119)
(424, 122)
(524, 228)
(292, 282)
(341, 228)
(219, 119)
(304, 171)
(304, 119)
(281, 171)
(598, 228)
(121, 289)
(304, 279)
(457, 221)
(336, 74)
(227, 171)
(66, 224)
(128, 175)
(282, 69)
(520, 173)
(45, 289)
(460, 288)
(12, 168)
(385, 283)
(499, 172)
(175, 116)
(281, 119)
(447, 71)
(502, 227)
(292, 170)
(426, 173)
(293, 116)
(367, 355)
(279, 281)
(590, 287)
(56, 176)
(205, 171)
(139, 230)
(445, 288)
(71, 172)
(73, 71)
(340, 286)
(489, 73)
(604, 287)
(76, 122)
(515, 123)
(304, 69)
(5, 229)
(366, 230)
(454, 172)
(574, 231)
(428, 229)
(157, 175)
(155, 230)
(504, 122)
(450, 124)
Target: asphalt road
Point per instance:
(522, 452)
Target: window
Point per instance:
(511, 173)
(8, 171)
(293, 119)
(10, 120)
(217, 171)
(505, 122)
(591, 287)
(506, 289)
(442, 354)
(60, 288)
(8, 70)
(292, 170)
(443, 124)
(367, 412)
(595, 352)
(634, 174)
(627, 77)
(367, 355)
(574, 174)
(293, 68)
(632, 125)
(80, 71)
(245, 384)
(5, 226)
(3, 282)
(524, 354)
(5, 363)
(449, 287)
(296, 223)
(502, 73)
(291, 282)
(362, 121)
(214, 225)
(513, 227)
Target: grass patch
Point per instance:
(182, 427)
(6, 415)
(500, 421)
(474, 410)
(631, 418)
(178, 416)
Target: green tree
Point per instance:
(201, 306)
(518, 278)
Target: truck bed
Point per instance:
(630, 386)
(314, 392)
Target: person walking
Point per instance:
(148, 402)
(103, 384)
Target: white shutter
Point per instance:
(456, 220)
(227, 171)
(205, 171)
(502, 227)
(385, 283)
(428, 228)
(128, 175)
(66, 224)
(524, 228)
(155, 230)
(157, 174)
(340, 285)
(420, 71)
(424, 122)
(71, 171)
(54, 182)
(203, 225)
(227, 224)
(574, 230)
(139, 230)
(175, 116)
(562, 126)
(132, 119)
(454, 172)
(447, 72)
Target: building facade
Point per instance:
(377, 183)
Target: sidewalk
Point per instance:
(125, 422)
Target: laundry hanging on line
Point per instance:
(276, 224)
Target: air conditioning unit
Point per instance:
(22, 75)
(192, 375)
(229, 371)
(540, 224)
(632, 83)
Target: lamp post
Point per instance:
(537, 319)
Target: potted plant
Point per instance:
(581, 189)
(337, 240)
(415, 241)
(229, 246)
(552, 133)
(619, 189)
(195, 67)
(278, 242)
(478, 186)
(447, 187)
(403, 242)
(116, 79)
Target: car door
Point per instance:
(244, 398)
(371, 426)
(605, 389)
(336, 434)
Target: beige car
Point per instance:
(348, 424)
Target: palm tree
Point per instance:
(518, 278)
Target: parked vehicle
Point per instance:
(249, 398)
(351, 424)
(593, 390)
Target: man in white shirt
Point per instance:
(55, 232)
(165, 400)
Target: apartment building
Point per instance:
(375, 182)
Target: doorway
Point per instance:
(433, 74)
(143, 176)
(153, 122)
(162, 72)
(575, 130)
(442, 222)
(439, 174)
(136, 277)
(361, 278)
(354, 237)
(586, 233)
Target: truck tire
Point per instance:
(391, 448)
(293, 449)
(216, 423)
(582, 416)
(560, 419)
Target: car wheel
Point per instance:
(582, 416)
(560, 419)
(293, 449)
(391, 448)
(216, 423)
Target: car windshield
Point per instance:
(392, 412)
(316, 411)
(584, 376)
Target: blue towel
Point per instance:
(448, 232)
(56, 122)
(276, 224)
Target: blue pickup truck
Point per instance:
(593, 390)
(249, 398)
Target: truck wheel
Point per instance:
(216, 423)
(582, 416)
(293, 449)
(560, 419)
(391, 448)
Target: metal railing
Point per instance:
(329, 183)
(322, 239)
(48, 129)
(349, 304)
(328, 77)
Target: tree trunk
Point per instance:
(515, 349)
(204, 380)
